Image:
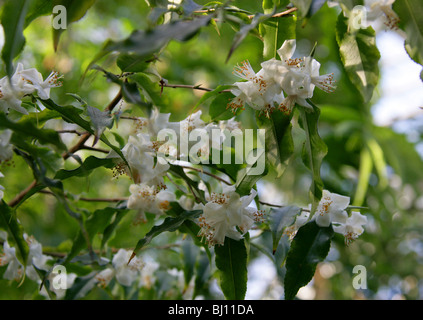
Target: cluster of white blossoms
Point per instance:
(24, 82)
(148, 193)
(332, 210)
(15, 269)
(280, 84)
(226, 214)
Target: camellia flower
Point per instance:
(140, 153)
(15, 269)
(126, 273)
(296, 76)
(224, 213)
(260, 92)
(300, 220)
(351, 227)
(23, 82)
(382, 8)
(331, 208)
(13, 90)
(151, 199)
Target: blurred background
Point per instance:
(391, 126)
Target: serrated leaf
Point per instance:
(359, 55)
(275, 31)
(279, 141)
(27, 128)
(12, 20)
(145, 43)
(309, 247)
(9, 222)
(86, 168)
(314, 150)
(231, 261)
(245, 29)
(169, 224)
(96, 223)
(280, 218)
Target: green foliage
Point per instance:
(231, 261)
(119, 62)
(310, 246)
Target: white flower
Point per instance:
(351, 227)
(331, 208)
(260, 92)
(42, 87)
(157, 122)
(35, 258)
(224, 213)
(12, 92)
(126, 273)
(104, 277)
(378, 9)
(140, 153)
(300, 220)
(14, 269)
(296, 77)
(150, 199)
(6, 149)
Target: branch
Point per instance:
(251, 16)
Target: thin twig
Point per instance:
(71, 131)
(251, 16)
(208, 173)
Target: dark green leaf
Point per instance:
(86, 168)
(28, 129)
(169, 224)
(12, 20)
(410, 13)
(279, 141)
(9, 222)
(231, 261)
(281, 218)
(309, 247)
(314, 150)
(144, 43)
(359, 56)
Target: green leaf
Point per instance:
(281, 218)
(12, 20)
(169, 224)
(410, 13)
(279, 141)
(96, 223)
(75, 10)
(26, 128)
(190, 253)
(245, 29)
(309, 247)
(9, 222)
(144, 43)
(359, 55)
(128, 62)
(86, 168)
(275, 31)
(231, 261)
(72, 115)
(303, 6)
(365, 170)
(245, 179)
(36, 9)
(314, 150)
